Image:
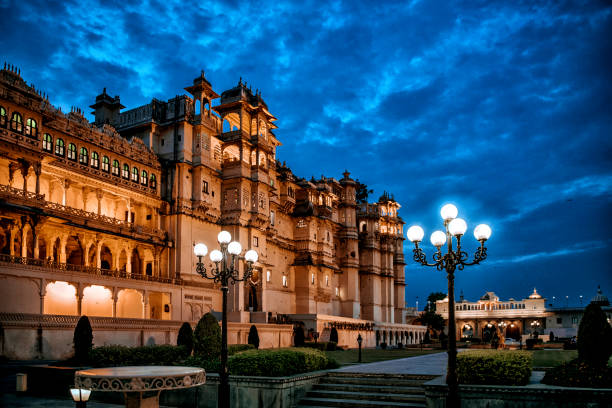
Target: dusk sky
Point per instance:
(502, 108)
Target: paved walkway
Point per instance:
(27, 401)
(430, 364)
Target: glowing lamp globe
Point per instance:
(251, 256)
(234, 248)
(457, 227)
(216, 256)
(224, 237)
(80, 394)
(448, 212)
(200, 250)
(438, 238)
(482, 232)
(415, 233)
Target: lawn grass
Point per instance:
(553, 358)
(351, 356)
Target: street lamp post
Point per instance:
(359, 340)
(450, 261)
(225, 271)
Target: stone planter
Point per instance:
(529, 396)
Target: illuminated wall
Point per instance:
(130, 304)
(97, 301)
(60, 299)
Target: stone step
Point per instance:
(369, 396)
(400, 382)
(371, 388)
(424, 377)
(330, 402)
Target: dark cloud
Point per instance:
(499, 107)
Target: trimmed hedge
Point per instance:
(238, 348)
(578, 373)
(115, 356)
(322, 345)
(279, 362)
(185, 337)
(494, 367)
(82, 339)
(207, 338)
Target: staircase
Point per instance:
(340, 389)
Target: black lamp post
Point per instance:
(450, 261)
(225, 272)
(359, 340)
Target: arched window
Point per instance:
(17, 122)
(59, 147)
(125, 173)
(135, 174)
(95, 160)
(2, 116)
(72, 153)
(48, 142)
(115, 167)
(83, 156)
(153, 182)
(105, 164)
(31, 128)
(144, 178)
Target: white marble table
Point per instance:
(141, 385)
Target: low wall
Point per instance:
(531, 396)
(26, 336)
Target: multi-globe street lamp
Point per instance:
(453, 259)
(225, 271)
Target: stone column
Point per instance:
(25, 168)
(63, 240)
(12, 243)
(79, 296)
(128, 263)
(99, 196)
(36, 248)
(42, 293)
(85, 192)
(24, 242)
(156, 262)
(115, 299)
(146, 307)
(37, 170)
(98, 250)
(66, 185)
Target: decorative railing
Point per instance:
(91, 270)
(59, 209)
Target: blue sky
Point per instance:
(503, 108)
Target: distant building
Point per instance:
(100, 219)
(516, 318)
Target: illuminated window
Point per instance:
(59, 147)
(125, 172)
(48, 142)
(268, 275)
(72, 152)
(285, 283)
(337, 291)
(153, 181)
(2, 116)
(31, 128)
(312, 278)
(255, 241)
(105, 164)
(326, 280)
(272, 215)
(205, 186)
(144, 178)
(17, 122)
(116, 167)
(83, 156)
(95, 160)
(135, 174)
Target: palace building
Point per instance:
(100, 219)
(517, 319)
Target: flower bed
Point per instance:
(494, 367)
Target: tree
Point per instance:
(333, 335)
(82, 339)
(207, 338)
(432, 320)
(432, 298)
(594, 337)
(185, 337)
(254, 336)
(362, 192)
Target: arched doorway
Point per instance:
(333, 335)
(74, 251)
(106, 258)
(136, 263)
(123, 261)
(42, 248)
(487, 332)
(467, 331)
(56, 251)
(130, 304)
(513, 331)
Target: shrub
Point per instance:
(209, 365)
(332, 346)
(594, 337)
(207, 338)
(254, 337)
(383, 345)
(82, 339)
(185, 337)
(494, 367)
(238, 348)
(578, 373)
(530, 343)
(113, 356)
(278, 362)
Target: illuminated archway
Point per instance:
(130, 304)
(60, 298)
(97, 301)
